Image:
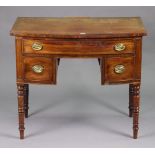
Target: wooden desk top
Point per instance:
(78, 27)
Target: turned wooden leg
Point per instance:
(21, 111)
(136, 99)
(26, 99)
(130, 100)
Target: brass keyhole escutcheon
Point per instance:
(119, 69)
(119, 47)
(38, 69)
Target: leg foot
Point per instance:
(135, 134)
(21, 134)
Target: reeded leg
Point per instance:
(21, 111)
(130, 100)
(136, 99)
(26, 99)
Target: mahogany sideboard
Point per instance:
(41, 42)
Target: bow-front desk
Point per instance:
(115, 42)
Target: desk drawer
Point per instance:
(75, 46)
(118, 69)
(39, 70)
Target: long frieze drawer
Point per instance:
(83, 46)
(118, 70)
(40, 70)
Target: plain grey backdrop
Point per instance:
(78, 111)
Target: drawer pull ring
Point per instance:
(119, 47)
(38, 69)
(119, 69)
(37, 46)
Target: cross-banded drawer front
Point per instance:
(118, 69)
(39, 70)
(78, 46)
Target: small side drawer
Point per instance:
(40, 70)
(118, 70)
(78, 46)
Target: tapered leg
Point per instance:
(130, 100)
(21, 111)
(26, 99)
(136, 99)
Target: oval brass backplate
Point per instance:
(37, 46)
(119, 47)
(38, 68)
(119, 69)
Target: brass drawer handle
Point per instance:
(37, 46)
(38, 68)
(119, 69)
(120, 47)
